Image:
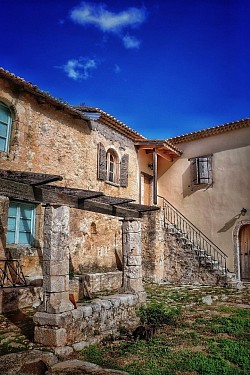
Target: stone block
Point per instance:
(55, 284)
(133, 260)
(56, 320)
(133, 272)
(87, 311)
(56, 303)
(106, 304)
(63, 351)
(136, 285)
(55, 251)
(79, 346)
(50, 337)
(56, 267)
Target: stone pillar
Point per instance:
(50, 330)
(56, 260)
(4, 207)
(132, 258)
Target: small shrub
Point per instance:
(93, 354)
(158, 313)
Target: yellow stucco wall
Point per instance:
(214, 210)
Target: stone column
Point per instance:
(56, 260)
(132, 258)
(4, 207)
(49, 321)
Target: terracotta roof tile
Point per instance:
(220, 129)
(42, 95)
(112, 122)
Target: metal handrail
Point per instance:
(11, 273)
(198, 239)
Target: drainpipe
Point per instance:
(155, 175)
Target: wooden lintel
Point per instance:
(107, 209)
(80, 200)
(25, 192)
(47, 181)
(164, 155)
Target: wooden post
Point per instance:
(155, 176)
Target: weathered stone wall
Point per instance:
(46, 140)
(164, 260)
(12, 299)
(88, 323)
(95, 242)
(95, 282)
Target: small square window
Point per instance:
(201, 170)
(21, 221)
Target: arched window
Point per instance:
(112, 166)
(5, 127)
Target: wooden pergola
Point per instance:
(36, 188)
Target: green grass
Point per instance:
(195, 339)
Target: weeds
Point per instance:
(195, 339)
(158, 313)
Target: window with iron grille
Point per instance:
(201, 170)
(5, 127)
(21, 221)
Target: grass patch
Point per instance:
(191, 338)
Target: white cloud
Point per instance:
(79, 69)
(97, 15)
(130, 42)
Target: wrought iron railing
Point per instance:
(11, 273)
(207, 251)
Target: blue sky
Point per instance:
(164, 68)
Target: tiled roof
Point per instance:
(111, 121)
(220, 129)
(159, 143)
(42, 96)
(80, 112)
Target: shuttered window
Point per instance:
(124, 171)
(21, 220)
(201, 170)
(5, 127)
(112, 167)
(101, 162)
(109, 168)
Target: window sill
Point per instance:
(112, 183)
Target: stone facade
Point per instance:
(67, 146)
(164, 260)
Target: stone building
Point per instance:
(202, 177)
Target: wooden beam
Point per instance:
(119, 207)
(155, 176)
(25, 192)
(164, 156)
(107, 209)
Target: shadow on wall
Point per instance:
(187, 187)
(229, 224)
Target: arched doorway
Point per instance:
(244, 252)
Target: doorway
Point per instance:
(146, 189)
(244, 249)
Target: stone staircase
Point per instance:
(192, 239)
